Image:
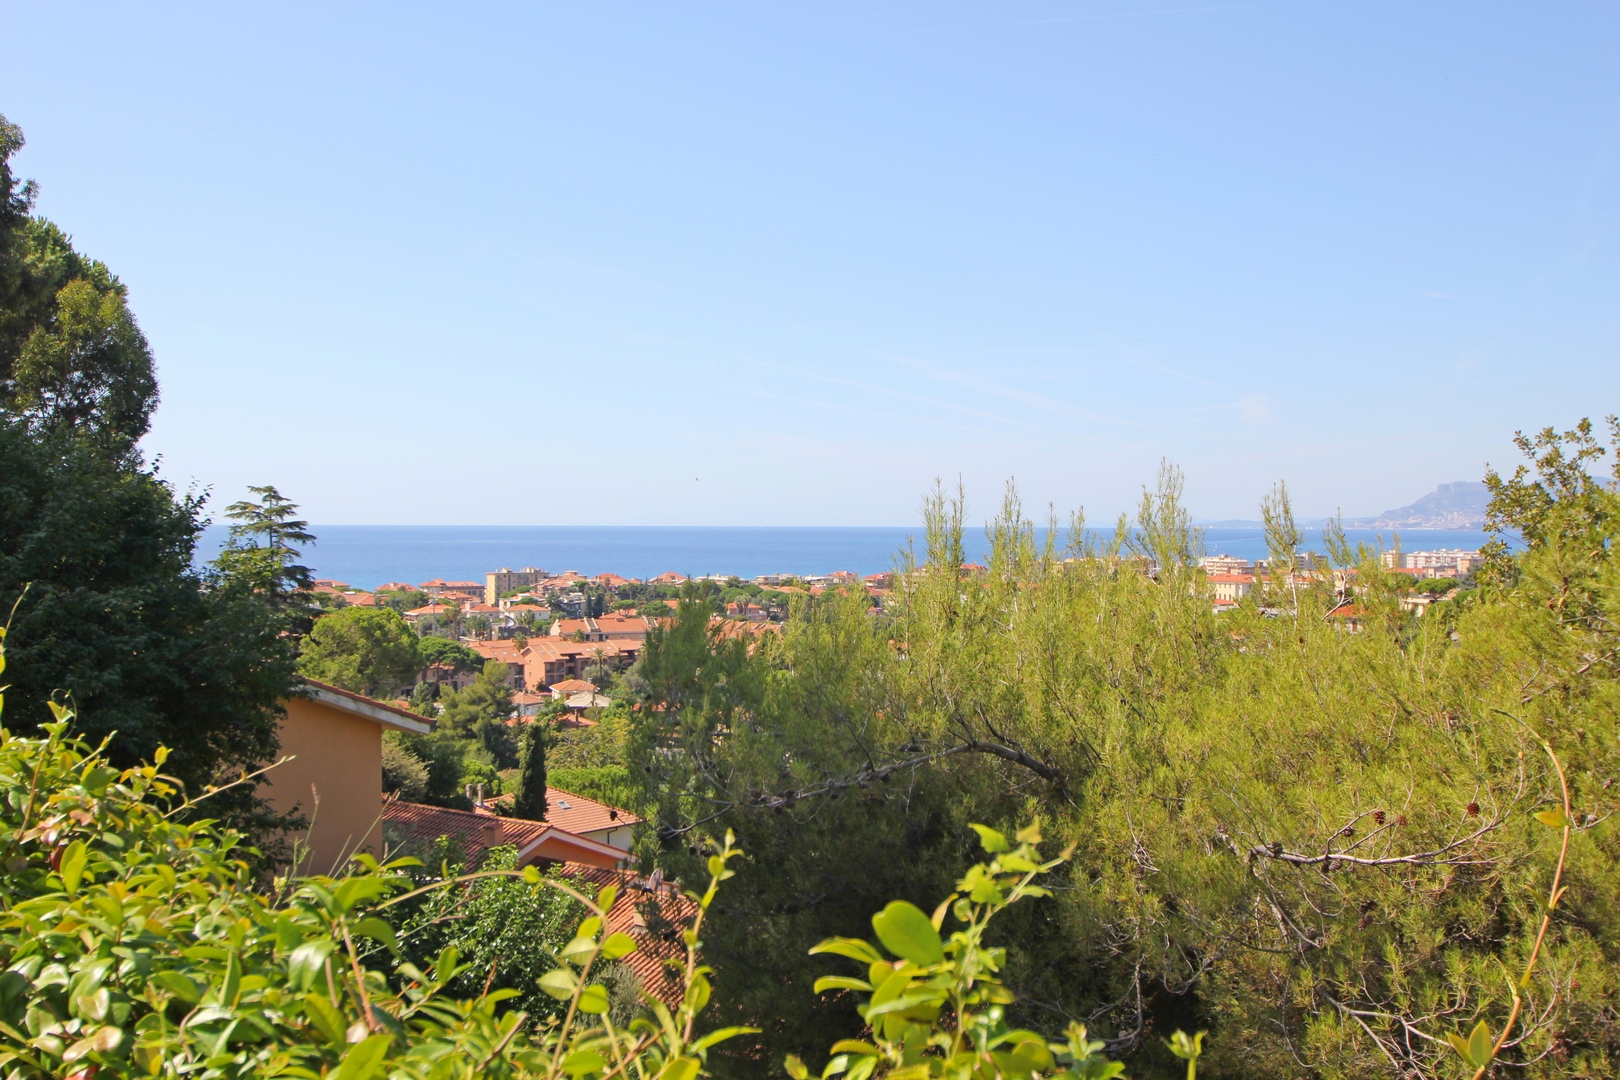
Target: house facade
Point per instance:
(332, 740)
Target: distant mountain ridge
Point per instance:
(1458, 505)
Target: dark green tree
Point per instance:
(114, 614)
(451, 654)
(480, 713)
(72, 358)
(115, 617)
(530, 799)
(370, 651)
(260, 551)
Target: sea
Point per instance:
(365, 556)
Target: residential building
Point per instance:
(1230, 588)
(412, 827)
(333, 739)
(497, 583)
(433, 615)
(1226, 564)
(460, 591)
(581, 816)
(507, 652)
(529, 703)
(569, 687)
(1444, 562)
(615, 626)
(550, 660)
(444, 675)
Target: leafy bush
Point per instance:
(136, 943)
(938, 1009)
(404, 774)
(608, 784)
(1318, 844)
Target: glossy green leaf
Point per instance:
(720, 1035)
(854, 1046)
(681, 1068)
(796, 1068)
(991, 840)
(578, 949)
(581, 1062)
(378, 931)
(327, 1020)
(365, 1059)
(1554, 818)
(594, 999)
(307, 961)
(356, 890)
(907, 933)
(560, 983)
(854, 948)
(1479, 1045)
(697, 993)
(178, 985)
(618, 945)
(840, 982)
(73, 860)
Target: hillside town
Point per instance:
(526, 648)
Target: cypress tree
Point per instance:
(530, 800)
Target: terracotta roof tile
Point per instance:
(577, 814)
(413, 825)
(653, 915)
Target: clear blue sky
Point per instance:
(784, 264)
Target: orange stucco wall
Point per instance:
(335, 778)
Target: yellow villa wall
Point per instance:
(335, 777)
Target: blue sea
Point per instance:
(365, 556)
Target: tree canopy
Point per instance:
(370, 651)
(1317, 838)
(259, 550)
(72, 358)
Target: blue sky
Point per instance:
(785, 264)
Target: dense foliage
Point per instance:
(72, 359)
(134, 943)
(370, 651)
(95, 549)
(1309, 833)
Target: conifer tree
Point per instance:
(530, 800)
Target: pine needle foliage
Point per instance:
(1313, 837)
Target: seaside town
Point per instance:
(526, 645)
(1128, 739)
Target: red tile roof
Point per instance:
(653, 915)
(574, 686)
(407, 825)
(577, 814)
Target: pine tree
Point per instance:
(260, 553)
(530, 800)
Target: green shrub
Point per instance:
(136, 942)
